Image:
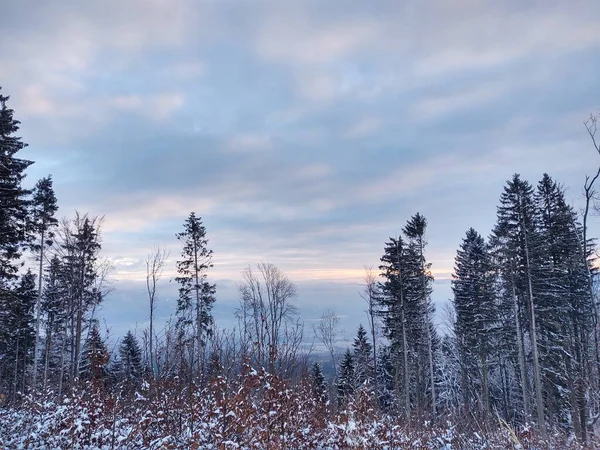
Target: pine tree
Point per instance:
(131, 367)
(196, 294)
(318, 385)
(476, 316)
(346, 384)
(363, 364)
(42, 223)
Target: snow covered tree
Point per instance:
(516, 248)
(196, 294)
(363, 365)
(385, 378)
(346, 383)
(268, 317)
(55, 313)
(131, 368)
(94, 355)
(423, 334)
(13, 197)
(564, 307)
(41, 228)
(396, 313)
(17, 334)
(317, 382)
(476, 317)
(79, 246)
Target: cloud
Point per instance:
(303, 133)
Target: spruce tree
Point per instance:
(54, 311)
(397, 313)
(564, 307)
(94, 355)
(423, 334)
(385, 378)
(476, 316)
(17, 334)
(79, 249)
(346, 385)
(196, 294)
(41, 229)
(13, 197)
(363, 364)
(318, 385)
(516, 245)
(131, 367)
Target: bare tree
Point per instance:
(369, 295)
(591, 125)
(155, 262)
(327, 331)
(266, 312)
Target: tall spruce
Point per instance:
(396, 313)
(41, 229)
(564, 308)
(517, 246)
(424, 332)
(476, 317)
(13, 197)
(196, 294)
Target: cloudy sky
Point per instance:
(305, 133)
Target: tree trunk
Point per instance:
(485, 392)
(519, 337)
(37, 312)
(534, 348)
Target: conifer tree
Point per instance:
(396, 313)
(13, 197)
(385, 378)
(424, 335)
(516, 245)
(476, 316)
(196, 294)
(41, 229)
(564, 307)
(131, 367)
(318, 385)
(54, 311)
(363, 365)
(79, 249)
(94, 355)
(346, 384)
(17, 333)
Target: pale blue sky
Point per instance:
(304, 133)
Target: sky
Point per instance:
(304, 133)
